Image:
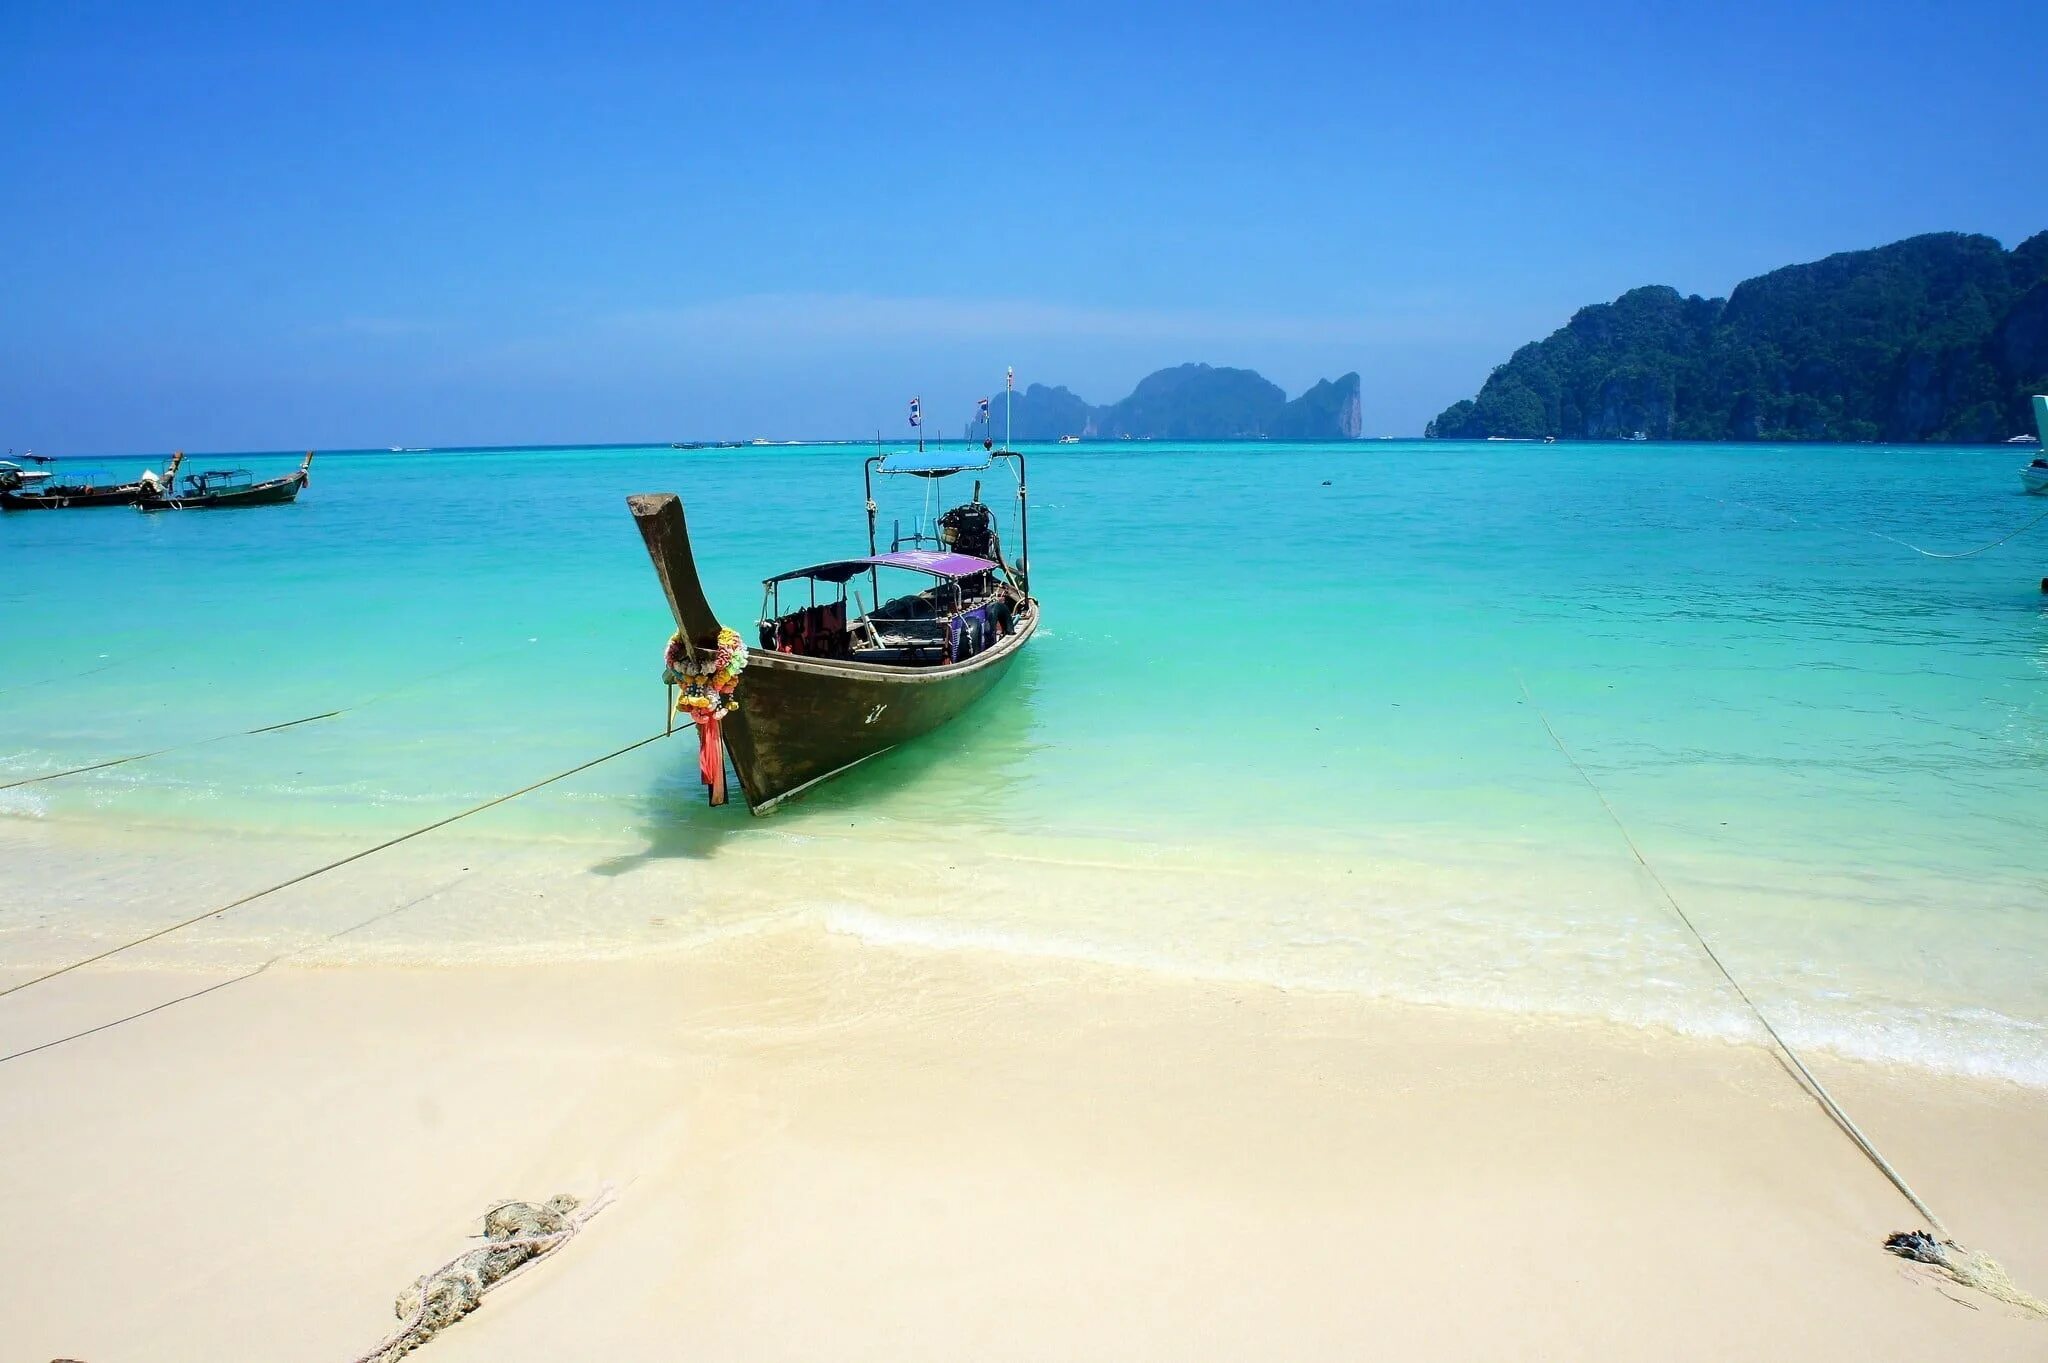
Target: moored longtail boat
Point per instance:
(222, 489)
(72, 495)
(833, 683)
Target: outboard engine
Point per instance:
(971, 529)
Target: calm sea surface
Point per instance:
(1274, 727)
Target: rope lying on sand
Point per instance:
(332, 865)
(516, 1235)
(265, 728)
(1967, 1267)
(1890, 539)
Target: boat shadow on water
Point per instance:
(964, 777)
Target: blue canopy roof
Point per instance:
(934, 463)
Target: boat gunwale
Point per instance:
(851, 668)
(196, 501)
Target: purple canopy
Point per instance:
(916, 560)
(933, 562)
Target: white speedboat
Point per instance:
(1070, 440)
(2034, 477)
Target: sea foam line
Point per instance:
(2002, 1047)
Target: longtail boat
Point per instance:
(833, 682)
(14, 477)
(221, 489)
(79, 492)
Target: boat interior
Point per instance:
(76, 482)
(216, 480)
(970, 600)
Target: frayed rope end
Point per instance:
(1967, 1268)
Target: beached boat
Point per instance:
(831, 682)
(83, 491)
(224, 489)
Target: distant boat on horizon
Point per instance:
(1070, 440)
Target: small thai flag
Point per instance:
(984, 409)
(916, 412)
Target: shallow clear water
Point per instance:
(1274, 726)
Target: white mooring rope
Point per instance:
(1968, 1267)
(338, 862)
(1889, 539)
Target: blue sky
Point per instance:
(244, 226)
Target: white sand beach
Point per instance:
(826, 1149)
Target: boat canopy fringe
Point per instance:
(935, 463)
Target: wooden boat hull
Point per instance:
(802, 720)
(272, 493)
(54, 500)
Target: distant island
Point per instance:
(1192, 402)
(1940, 337)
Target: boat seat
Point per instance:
(910, 633)
(923, 655)
(814, 631)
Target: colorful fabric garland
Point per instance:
(706, 696)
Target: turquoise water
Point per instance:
(1274, 727)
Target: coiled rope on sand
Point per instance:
(1968, 1268)
(516, 1235)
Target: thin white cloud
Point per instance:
(786, 317)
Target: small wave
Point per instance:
(1973, 1042)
